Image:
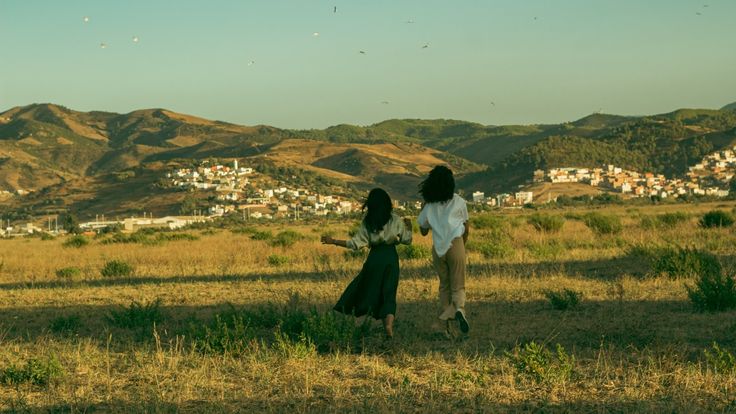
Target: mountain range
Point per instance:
(75, 160)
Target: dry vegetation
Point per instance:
(75, 340)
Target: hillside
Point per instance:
(65, 152)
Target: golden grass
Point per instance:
(638, 343)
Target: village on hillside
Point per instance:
(710, 177)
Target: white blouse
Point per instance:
(393, 232)
(446, 219)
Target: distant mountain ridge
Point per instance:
(44, 146)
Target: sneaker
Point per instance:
(464, 327)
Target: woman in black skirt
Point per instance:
(373, 291)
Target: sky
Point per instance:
(260, 62)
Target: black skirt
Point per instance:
(373, 291)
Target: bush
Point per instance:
(47, 236)
(664, 221)
(65, 324)
(720, 360)
(117, 268)
(713, 291)
(229, 334)
(332, 331)
(717, 218)
(546, 249)
(492, 250)
(285, 239)
(539, 363)
(603, 224)
(176, 237)
(243, 230)
(563, 300)
(546, 223)
(68, 272)
(35, 371)
(277, 260)
(351, 254)
(136, 315)
(262, 235)
(413, 251)
(76, 241)
(684, 262)
(287, 347)
(487, 221)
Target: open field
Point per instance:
(244, 324)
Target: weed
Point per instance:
(243, 230)
(117, 268)
(278, 260)
(720, 360)
(226, 334)
(350, 254)
(546, 223)
(539, 363)
(546, 249)
(717, 218)
(684, 262)
(35, 371)
(47, 236)
(603, 224)
(65, 324)
(563, 300)
(714, 291)
(413, 251)
(136, 315)
(287, 347)
(68, 272)
(262, 235)
(285, 239)
(332, 331)
(487, 221)
(76, 241)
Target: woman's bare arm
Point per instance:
(336, 242)
(466, 233)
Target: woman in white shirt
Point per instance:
(446, 214)
(373, 291)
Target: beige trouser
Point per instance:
(451, 270)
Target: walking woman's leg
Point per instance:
(445, 292)
(456, 265)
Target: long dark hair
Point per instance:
(439, 186)
(379, 209)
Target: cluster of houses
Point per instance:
(239, 193)
(505, 200)
(709, 177)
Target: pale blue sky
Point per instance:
(579, 56)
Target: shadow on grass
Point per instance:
(411, 402)
(599, 269)
(667, 326)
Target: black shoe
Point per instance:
(464, 327)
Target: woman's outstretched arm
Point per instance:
(336, 242)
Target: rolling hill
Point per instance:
(72, 157)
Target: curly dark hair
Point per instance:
(439, 186)
(379, 209)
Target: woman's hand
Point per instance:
(327, 240)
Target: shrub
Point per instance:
(664, 221)
(332, 331)
(539, 363)
(563, 300)
(176, 237)
(546, 249)
(136, 315)
(720, 360)
(262, 235)
(546, 223)
(717, 218)
(243, 230)
(684, 262)
(229, 334)
(35, 371)
(355, 254)
(603, 224)
(47, 236)
(285, 239)
(277, 260)
(714, 291)
(68, 272)
(414, 251)
(487, 221)
(76, 241)
(287, 347)
(492, 250)
(65, 324)
(117, 268)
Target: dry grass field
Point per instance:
(220, 321)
